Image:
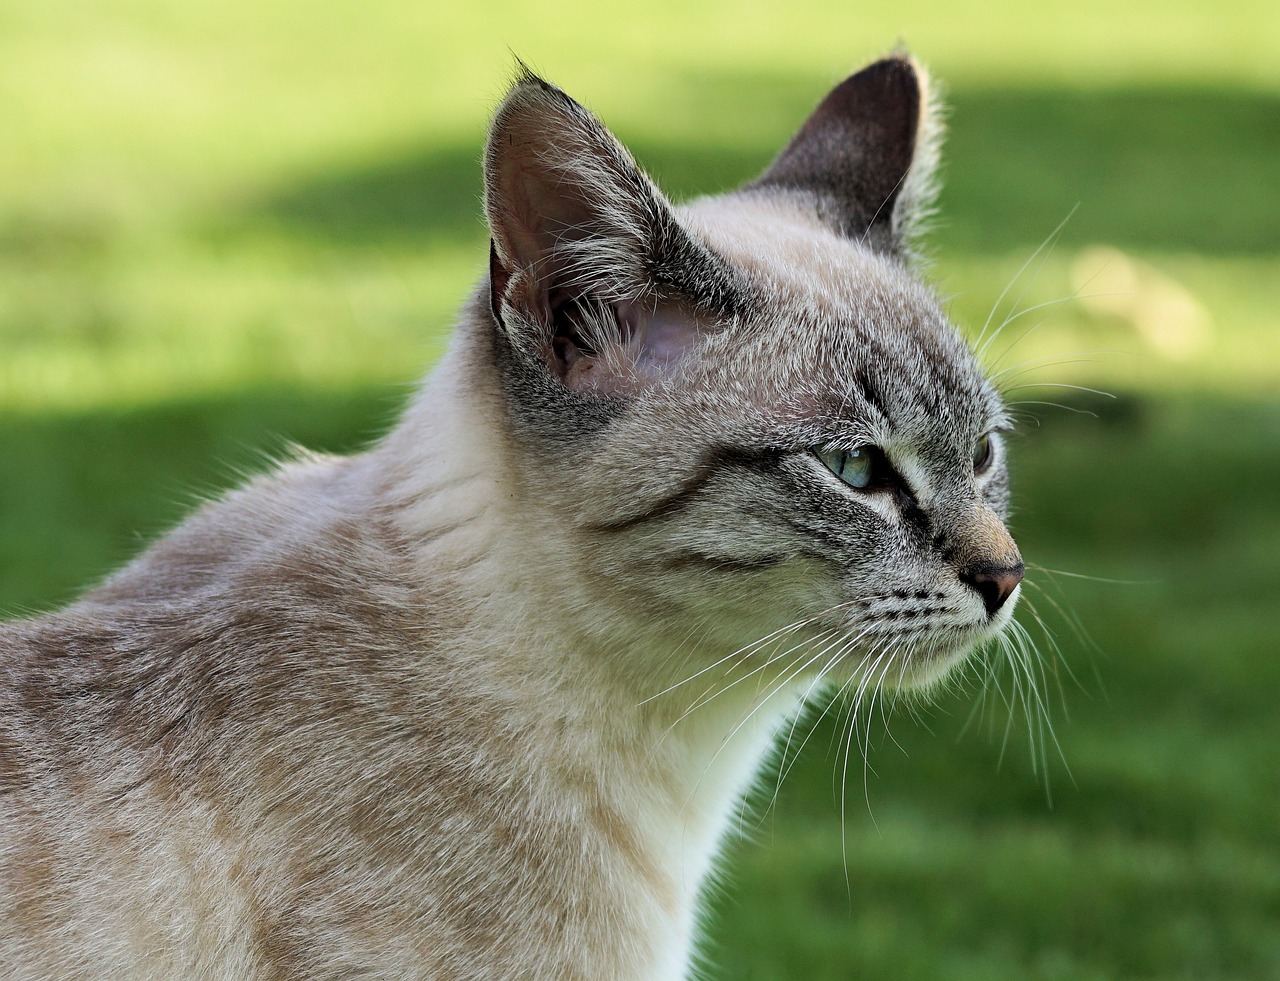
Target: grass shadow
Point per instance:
(86, 491)
(1171, 168)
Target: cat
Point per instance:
(478, 703)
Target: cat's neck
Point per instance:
(673, 751)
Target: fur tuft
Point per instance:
(916, 206)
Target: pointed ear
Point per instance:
(868, 155)
(589, 269)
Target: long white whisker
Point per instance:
(712, 691)
(1050, 238)
(1027, 365)
(785, 765)
(1075, 388)
(754, 645)
(757, 705)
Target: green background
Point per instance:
(225, 227)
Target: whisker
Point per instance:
(1028, 365)
(785, 765)
(1074, 295)
(1075, 388)
(1050, 238)
(1057, 405)
(1067, 615)
(757, 705)
(1057, 302)
(1101, 579)
(717, 692)
(755, 644)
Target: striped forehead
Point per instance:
(847, 332)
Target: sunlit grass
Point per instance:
(1188, 322)
(178, 317)
(182, 318)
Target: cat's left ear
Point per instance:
(591, 275)
(867, 156)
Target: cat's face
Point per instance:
(749, 418)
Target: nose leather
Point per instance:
(994, 583)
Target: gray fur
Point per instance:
(468, 705)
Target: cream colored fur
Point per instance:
(482, 702)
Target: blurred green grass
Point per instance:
(226, 227)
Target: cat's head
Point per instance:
(746, 416)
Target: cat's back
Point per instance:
(172, 745)
(299, 560)
(266, 598)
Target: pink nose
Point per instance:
(995, 584)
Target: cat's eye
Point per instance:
(983, 454)
(857, 468)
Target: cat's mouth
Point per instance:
(917, 657)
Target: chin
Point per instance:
(927, 669)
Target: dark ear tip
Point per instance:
(522, 74)
(887, 87)
(899, 58)
(857, 149)
(897, 70)
(527, 95)
(527, 89)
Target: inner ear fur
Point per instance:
(589, 268)
(867, 155)
(555, 177)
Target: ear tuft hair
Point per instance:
(916, 206)
(559, 189)
(589, 268)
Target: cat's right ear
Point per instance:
(589, 271)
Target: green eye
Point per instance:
(982, 454)
(855, 467)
